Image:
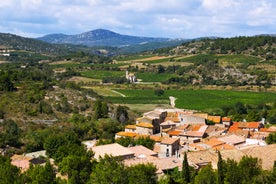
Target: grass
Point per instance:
(153, 77)
(194, 99)
(100, 74)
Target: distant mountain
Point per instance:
(101, 37)
(28, 44)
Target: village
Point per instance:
(178, 131)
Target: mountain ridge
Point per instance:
(100, 37)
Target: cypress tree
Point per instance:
(220, 169)
(185, 169)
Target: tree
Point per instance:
(10, 134)
(122, 114)
(220, 169)
(185, 169)
(104, 109)
(249, 168)
(206, 176)
(5, 83)
(271, 138)
(142, 173)
(159, 92)
(98, 109)
(109, 170)
(232, 174)
(160, 69)
(8, 173)
(77, 168)
(40, 174)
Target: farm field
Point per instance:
(153, 77)
(203, 100)
(100, 74)
(235, 58)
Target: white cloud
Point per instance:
(166, 18)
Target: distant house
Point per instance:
(233, 140)
(246, 126)
(163, 165)
(142, 152)
(130, 128)
(169, 147)
(144, 128)
(115, 150)
(125, 134)
(215, 119)
(23, 162)
(131, 77)
(227, 122)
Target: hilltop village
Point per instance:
(175, 132)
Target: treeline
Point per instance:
(241, 111)
(76, 163)
(262, 46)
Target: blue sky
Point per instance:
(154, 18)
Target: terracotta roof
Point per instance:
(127, 134)
(143, 118)
(272, 129)
(172, 116)
(202, 115)
(253, 125)
(226, 119)
(130, 127)
(21, 161)
(115, 150)
(223, 147)
(141, 136)
(168, 140)
(167, 123)
(192, 134)
(195, 127)
(174, 133)
(145, 125)
(263, 129)
(196, 146)
(156, 138)
(160, 163)
(166, 130)
(265, 153)
(183, 127)
(205, 156)
(232, 139)
(234, 127)
(214, 142)
(142, 150)
(215, 119)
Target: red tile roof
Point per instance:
(130, 127)
(127, 134)
(174, 133)
(226, 119)
(145, 125)
(168, 140)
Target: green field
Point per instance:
(100, 74)
(153, 77)
(194, 99)
(236, 58)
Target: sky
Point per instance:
(151, 18)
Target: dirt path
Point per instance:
(121, 94)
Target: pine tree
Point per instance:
(185, 169)
(220, 169)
